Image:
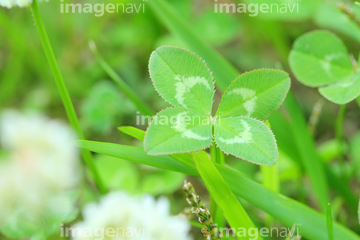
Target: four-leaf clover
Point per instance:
(184, 80)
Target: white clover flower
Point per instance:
(15, 3)
(39, 173)
(120, 216)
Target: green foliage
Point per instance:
(118, 174)
(136, 154)
(177, 130)
(246, 138)
(162, 182)
(329, 222)
(228, 43)
(331, 17)
(132, 131)
(288, 10)
(101, 108)
(255, 94)
(217, 28)
(320, 59)
(222, 70)
(282, 208)
(305, 149)
(218, 188)
(124, 175)
(183, 79)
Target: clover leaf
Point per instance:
(183, 79)
(320, 59)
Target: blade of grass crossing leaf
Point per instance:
(330, 223)
(270, 177)
(135, 154)
(270, 180)
(308, 155)
(217, 156)
(133, 132)
(270, 174)
(222, 194)
(143, 108)
(223, 71)
(282, 208)
(65, 97)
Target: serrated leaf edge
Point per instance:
(152, 81)
(272, 133)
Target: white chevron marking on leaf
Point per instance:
(243, 137)
(181, 126)
(185, 84)
(249, 96)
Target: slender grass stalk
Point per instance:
(270, 177)
(143, 108)
(284, 136)
(283, 209)
(271, 181)
(65, 97)
(339, 131)
(233, 211)
(330, 223)
(306, 150)
(217, 156)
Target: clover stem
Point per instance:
(65, 97)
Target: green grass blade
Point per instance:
(339, 130)
(358, 212)
(270, 181)
(133, 132)
(340, 187)
(308, 155)
(222, 194)
(136, 154)
(282, 208)
(217, 156)
(223, 71)
(286, 144)
(65, 97)
(330, 223)
(139, 103)
(270, 174)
